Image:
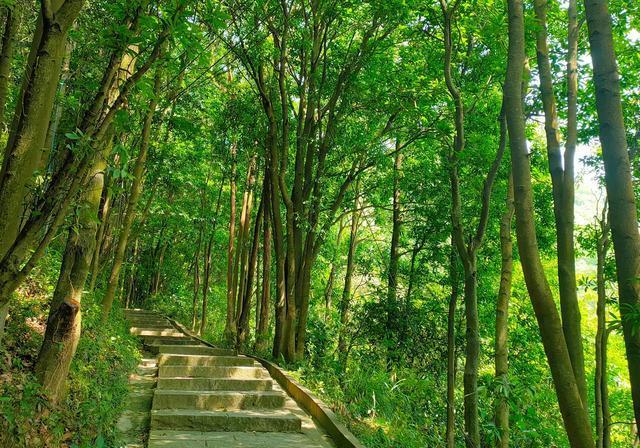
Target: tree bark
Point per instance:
(603, 414)
(562, 179)
(196, 280)
(242, 251)
(31, 118)
(64, 322)
(619, 183)
(231, 297)
(502, 322)
(265, 298)
(451, 348)
(575, 416)
(243, 321)
(9, 34)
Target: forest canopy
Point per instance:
(424, 210)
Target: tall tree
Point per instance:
(575, 416)
(562, 179)
(620, 194)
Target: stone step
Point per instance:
(138, 331)
(133, 421)
(168, 340)
(238, 372)
(161, 438)
(245, 420)
(203, 360)
(179, 399)
(213, 384)
(190, 350)
(140, 401)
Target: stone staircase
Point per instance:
(206, 397)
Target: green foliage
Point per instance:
(97, 385)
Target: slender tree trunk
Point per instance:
(105, 213)
(243, 321)
(502, 322)
(263, 321)
(231, 298)
(394, 258)
(603, 415)
(207, 266)
(619, 183)
(132, 274)
(9, 34)
(574, 414)
(328, 291)
(132, 204)
(451, 348)
(563, 199)
(242, 252)
(196, 280)
(345, 301)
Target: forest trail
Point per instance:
(207, 397)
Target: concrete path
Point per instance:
(208, 397)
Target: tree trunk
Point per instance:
(50, 141)
(196, 280)
(207, 262)
(619, 183)
(345, 301)
(451, 349)
(243, 321)
(103, 216)
(576, 419)
(242, 252)
(64, 322)
(132, 204)
(394, 258)
(11, 24)
(263, 321)
(562, 179)
(502, 322)
(30, 123)
(328, 290)
(603, 415)
(231, 298)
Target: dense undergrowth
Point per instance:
(97, 384)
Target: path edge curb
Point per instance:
(341, 436)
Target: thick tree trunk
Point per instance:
(451, 348)
(345, 301)
(502, 322)
(574, 414)
(231, 298)
(562, 179)
(64, 322)
(31, 119)
(619, 183)
(132, 203)
(9, 34)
